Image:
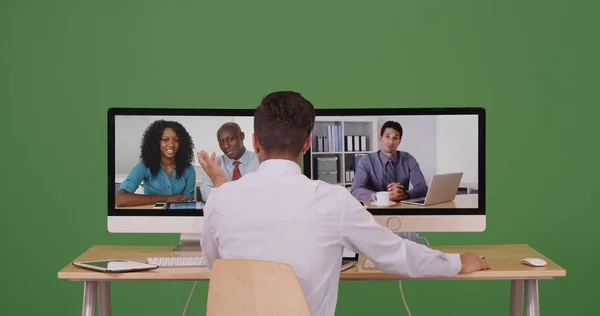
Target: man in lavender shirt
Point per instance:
(388, 170)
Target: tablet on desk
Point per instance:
(115, 265)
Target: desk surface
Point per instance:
(503, 258)
(460, 201)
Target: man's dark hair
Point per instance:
(282, 122)
(391, 124)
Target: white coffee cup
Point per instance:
(382, 198)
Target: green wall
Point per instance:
(532, 64)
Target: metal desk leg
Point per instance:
(104, 298)
(532, 298)
(516, 298)
(90, 290)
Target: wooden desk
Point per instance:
(504, 259)
(460, 201)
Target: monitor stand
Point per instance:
(188, 243)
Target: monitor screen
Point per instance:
(403, 161)
(438, 158)
(152, 157)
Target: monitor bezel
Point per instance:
(429, 211)
(479, 111)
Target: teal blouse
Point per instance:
(161, 184)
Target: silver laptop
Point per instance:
(442, 188)
(349, 259)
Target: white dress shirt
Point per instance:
(248, 163)
(278, 214)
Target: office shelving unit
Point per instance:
(347, 126)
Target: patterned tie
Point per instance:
(236, 171)
(390, 173)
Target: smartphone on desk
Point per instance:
(160, 206)
(115, 265)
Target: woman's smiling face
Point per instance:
(169, 143)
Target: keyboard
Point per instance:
(177, 261)
(414, 202)
(347, 264)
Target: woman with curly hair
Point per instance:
(165, 167)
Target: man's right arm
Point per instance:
(361, 179)
(208, 183)
(390, 253)
(417, 179)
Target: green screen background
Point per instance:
(532, 64)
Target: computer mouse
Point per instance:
(536, 262)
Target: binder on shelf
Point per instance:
(340, 139)
(356, 143)
(349, 176)
(320, 143)
(349, 142)
(331, 138)
(325, 144)
(335, 133)
(335, 143)
(327, 134)
(363, 143)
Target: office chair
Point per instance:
(253, 288)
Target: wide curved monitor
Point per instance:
(448, 144)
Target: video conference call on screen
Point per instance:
(385, 161)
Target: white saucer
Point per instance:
(389, 204)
